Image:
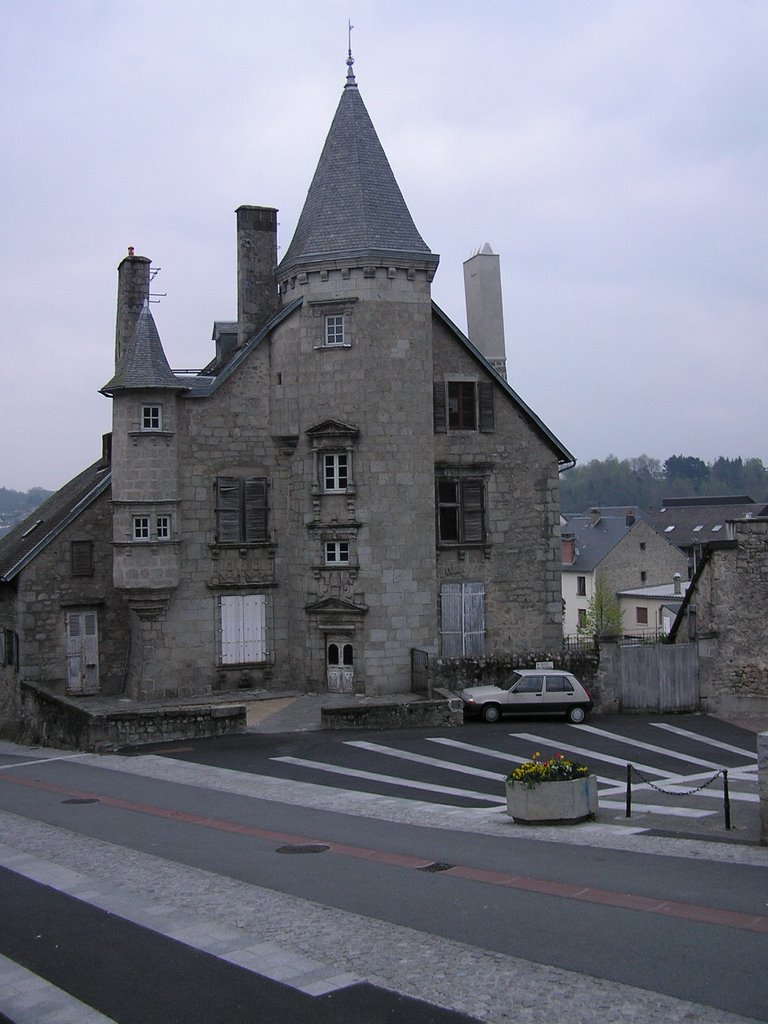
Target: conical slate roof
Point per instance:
(143, 364)
(354, 207)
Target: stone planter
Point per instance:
(553, 803)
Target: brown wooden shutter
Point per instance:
(81, 557)
(439, 407)
(228, 505)
(485, 396)
(256, 509)
(472, 511)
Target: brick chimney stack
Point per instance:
(257, 297)
(132, 293)
(594, 516)
(568, 547)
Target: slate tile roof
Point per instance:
(354, 206)
(143, 364)
(689, 521)
(29, 537)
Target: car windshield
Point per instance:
(507, 684)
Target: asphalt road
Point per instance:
(370, 881)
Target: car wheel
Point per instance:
(576, 715)
(491, 713)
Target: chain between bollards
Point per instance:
(726, 796)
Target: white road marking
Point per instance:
(405, 755)
(393, 780)
(596, 755)
(498, 754)
(41, 760)
(705, 739)
(616, 737)
(640, 808)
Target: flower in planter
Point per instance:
(558, 769)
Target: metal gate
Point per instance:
(419, 667)
(659, 677)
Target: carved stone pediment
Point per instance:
(335, 607)
(332, 429)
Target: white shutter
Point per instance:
(474, 618)
(451, 620)
(243, 628)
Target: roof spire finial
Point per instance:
(351, 83)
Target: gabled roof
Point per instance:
(143, 364)
(31, 536)
(563, 455)
(354, 207)
(593, 542)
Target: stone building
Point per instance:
(724, 615)
(349, 480)
(626, 551)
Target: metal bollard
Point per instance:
(629, 791)
(726, 800)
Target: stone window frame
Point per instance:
(336, 316)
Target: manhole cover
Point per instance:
(436, 865)
(304, 848)
(85, 800)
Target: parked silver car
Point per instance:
(529, 692)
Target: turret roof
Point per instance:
(354, 207)
(143, 364)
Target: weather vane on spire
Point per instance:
(350, 58)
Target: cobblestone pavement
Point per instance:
(496, 989)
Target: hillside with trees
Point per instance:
(16, 505)
(646, 482)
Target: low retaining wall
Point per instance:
(437, 713)
(55, 721)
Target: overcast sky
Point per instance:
(615, 155)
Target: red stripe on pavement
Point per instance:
(542, 886)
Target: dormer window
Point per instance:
(151, 417)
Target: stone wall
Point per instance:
(420, 714)
(725, 615)
(54, 721)
(642, 550)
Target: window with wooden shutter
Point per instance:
(241, 510)
(463, 405)
(460, 510)
(81, 557)
(486, 418)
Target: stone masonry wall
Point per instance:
(642, 550)
(520, 562)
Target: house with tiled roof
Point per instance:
(349, 480)
(625, 550)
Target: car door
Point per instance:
(526, 695)
(559, 694)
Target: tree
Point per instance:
(603, 612)
(687, 468)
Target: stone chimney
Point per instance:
(678, 588)
(568, 548)
(630, 517)
(257, 297)
(594, 516)
(132, 293)
(485, 314)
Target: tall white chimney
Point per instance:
(485, 315)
